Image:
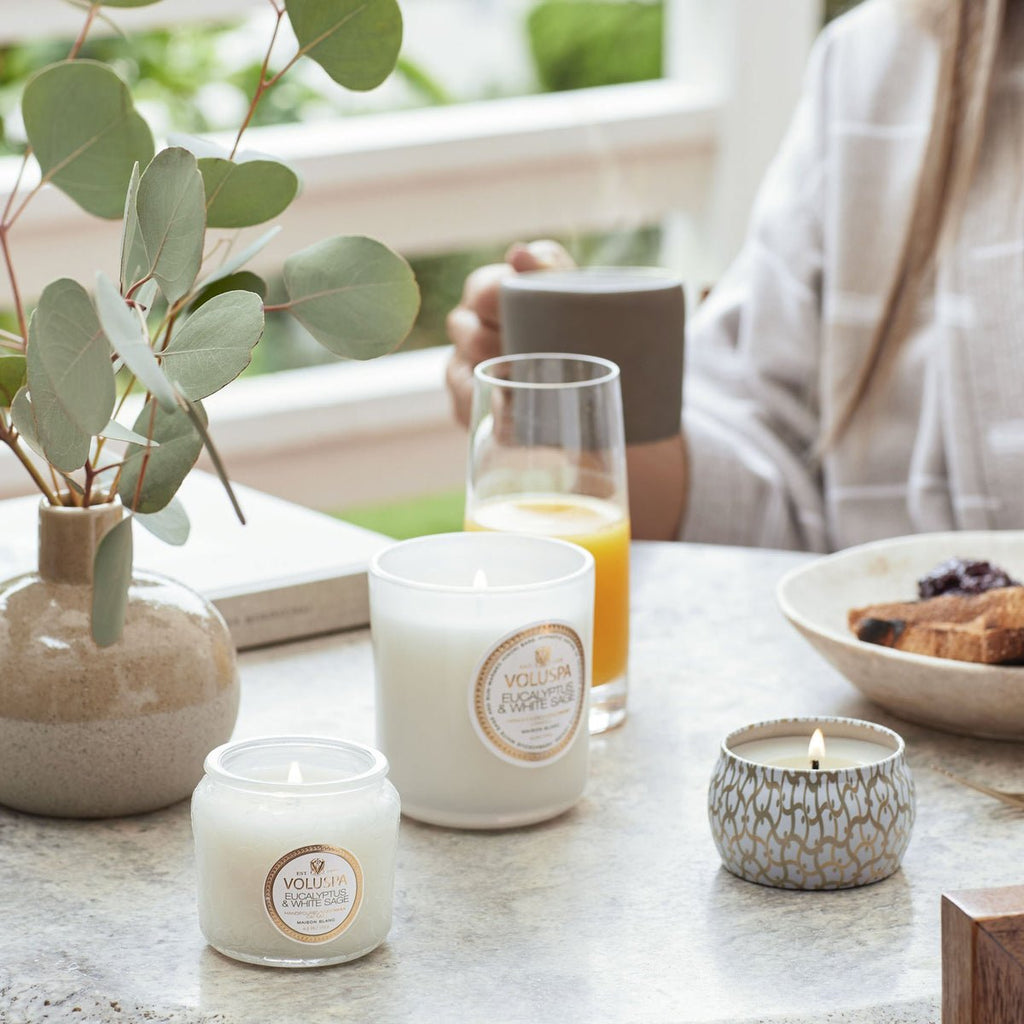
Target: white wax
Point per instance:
(429, 643)
(241, 834)
(791, 752)
(444, 772)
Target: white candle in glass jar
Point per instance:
(295, 841)
(482, 646)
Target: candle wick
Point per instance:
(815, 764)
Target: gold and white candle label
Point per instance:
(312, 894)
(528, 694)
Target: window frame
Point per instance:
(678, 150)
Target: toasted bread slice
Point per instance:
(987, 627)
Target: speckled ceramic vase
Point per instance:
(93, 732)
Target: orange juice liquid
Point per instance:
(600, 527)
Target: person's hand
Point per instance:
(474, 326)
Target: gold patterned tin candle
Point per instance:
(482, 652)
(812, 803)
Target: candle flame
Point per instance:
(480, 580)
(294, 773)
(816, 748)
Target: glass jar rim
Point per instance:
(483, 371)
(377, 569)
(370, 765)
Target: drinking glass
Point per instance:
(547, 456)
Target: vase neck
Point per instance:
(68, 538)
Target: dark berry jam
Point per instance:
(963, 576)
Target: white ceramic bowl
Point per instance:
(957, 696)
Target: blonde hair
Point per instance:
(969, 33)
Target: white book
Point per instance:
(290, 572)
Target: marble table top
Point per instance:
(616, 911)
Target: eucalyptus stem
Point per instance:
(137, 497)
(90, 475)
(9, 436)
(53, 479)
(19, 305)
(263, 84)
(79, 42)
(99, 444)
(17, 185)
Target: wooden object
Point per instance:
(983, 956)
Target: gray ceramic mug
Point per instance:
(634, 316)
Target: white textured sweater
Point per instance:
(940, 444)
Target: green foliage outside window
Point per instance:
(581, 43)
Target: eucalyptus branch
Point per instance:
(8, 219)
(313, 43)
(79, 42)
(168, 245)
(76, 48)
(55, 481)
(263, 84)
(90, 476)
(135, 287)
(219, 244)
(137, 496)
(17, 185)
(108, 467)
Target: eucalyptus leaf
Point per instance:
(112, 576)
(170, 524)
(85, 133)
(355, 41)
(69, 374)
(236, 262)
(134, 261)
(239, 195)
(166, 466)
(214, 345)
(171, 207)
(243, 281)
(129, 3)
(115, 431)
(353, 294)
(129, 339)
(12, 377)
(198, 416)
(23, 417)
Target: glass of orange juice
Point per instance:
(547, 455)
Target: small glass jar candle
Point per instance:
(482, 648)
(812, 803)
(295, 841)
